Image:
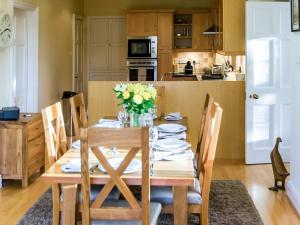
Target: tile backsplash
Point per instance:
(202, 59)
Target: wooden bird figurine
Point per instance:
(279, 170)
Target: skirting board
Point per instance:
(293, 194)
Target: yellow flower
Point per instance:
(138, 99)
(146, 96)
(126, 95)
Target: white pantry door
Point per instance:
(25, 59)
(268, 88)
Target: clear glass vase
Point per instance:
(135, 120)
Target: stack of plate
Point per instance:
(171, 145)
(176, 131)
(171, 128)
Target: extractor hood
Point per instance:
(213, 30)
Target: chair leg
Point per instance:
(56, 203)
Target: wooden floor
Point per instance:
(274, 208)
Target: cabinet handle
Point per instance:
(254, 96)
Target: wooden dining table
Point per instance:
(178, 174)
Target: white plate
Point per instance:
(174, 128)
(76, 144)
(134, 166)
(172, 118)
(171, 143)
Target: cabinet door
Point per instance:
(98, 34)
(201, 22)
(11, 152)
(165, 64)
(233, 26)
(165, 31)
(117, 45)
(141, 24)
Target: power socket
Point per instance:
(298, 60)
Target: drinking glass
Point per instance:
(153, 137)
(123, 117)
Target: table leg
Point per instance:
(180, 205)
(69, 204)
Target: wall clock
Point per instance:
(6, 30)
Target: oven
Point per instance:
(142, 70)
(142, 47)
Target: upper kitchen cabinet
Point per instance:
(141, 24)
(229, 16)
(201, 22)
(165, 31)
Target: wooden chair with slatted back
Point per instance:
(160, 104)
(197, 196)
(204, 120)
(79, 115)
(56, 143)
(209, 141)
(123, 212)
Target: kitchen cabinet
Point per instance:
(107, 48)
(22, 148)
(165, 31)
(165, 63)
(201, 22)
(142, 24)
(229, 16)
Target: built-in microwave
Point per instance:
(142, 47)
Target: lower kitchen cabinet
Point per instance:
(22, 148)
(165, 64)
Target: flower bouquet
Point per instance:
(136, 98)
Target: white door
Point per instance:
(78, 54)
(21, 59)
(268, 92)
(25, 60)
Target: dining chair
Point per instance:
(198, 196)
(160, 104)
(79, 115)
(56, 144)
(204, 120)
(124, 212)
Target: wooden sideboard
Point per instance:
(22, 148)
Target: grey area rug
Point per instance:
(230, 204)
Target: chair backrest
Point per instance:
(55, 133)
(160, 104)
(133, 139)
(204, 120)
(79, 115)
(209, 139)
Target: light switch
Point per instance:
(298, 60)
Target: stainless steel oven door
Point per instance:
(142, 47)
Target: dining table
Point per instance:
(179, 174)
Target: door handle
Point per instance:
(254, 96)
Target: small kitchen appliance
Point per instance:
(142, 47)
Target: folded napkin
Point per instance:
(169, 156)
(180, 136)
(173, 116)
(108, 123)
(74, 166)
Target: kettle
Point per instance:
(188, 69)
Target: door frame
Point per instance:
(33, 45)
(75, 16)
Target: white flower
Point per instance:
(120, 87)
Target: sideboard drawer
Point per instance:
(35, 129)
